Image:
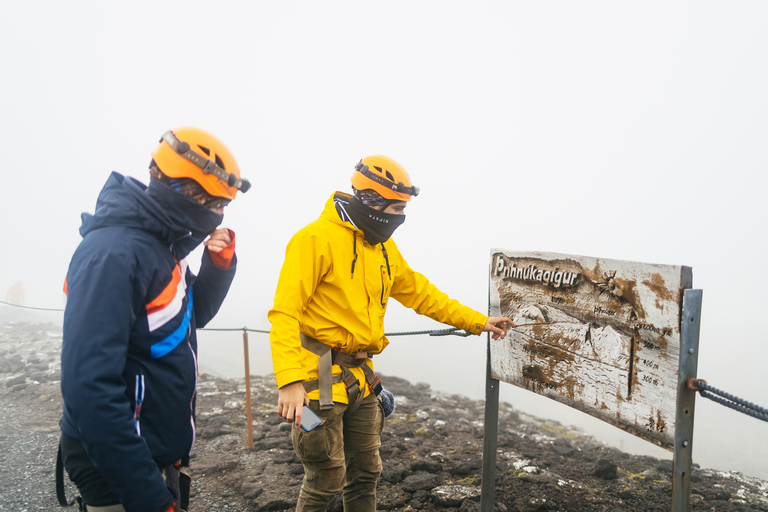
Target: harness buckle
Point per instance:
(375, 385)
(338, 357)
(349, 360)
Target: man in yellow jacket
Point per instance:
(328, 321)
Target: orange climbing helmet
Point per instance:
(196, 154)
(385, 176)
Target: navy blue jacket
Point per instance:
(129, 354)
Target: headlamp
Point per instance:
(208, 166)
(398, 187)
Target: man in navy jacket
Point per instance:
(129, 353)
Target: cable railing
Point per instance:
(728, 400)
(700, 385)
(29, 307)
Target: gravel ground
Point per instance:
(29, 430)
(431, 448)
(30, 405)
(27, 459)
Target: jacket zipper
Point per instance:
(381, 271)
(192, 401)
(139, 398)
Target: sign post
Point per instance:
(490, 437)
(689, 356)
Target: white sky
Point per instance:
(621, 130)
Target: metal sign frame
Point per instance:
(690, 321)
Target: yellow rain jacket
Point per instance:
(321, 294)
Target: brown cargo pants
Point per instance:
(341, 455)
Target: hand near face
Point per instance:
(218, 240)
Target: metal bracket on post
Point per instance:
(490, 437)
(682, 464)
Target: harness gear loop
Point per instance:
(330, 356)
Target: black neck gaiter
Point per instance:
(376, 226)
(185, 213)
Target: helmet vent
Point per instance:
(218, 160)
(382, 171)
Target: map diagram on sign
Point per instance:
(602, 336)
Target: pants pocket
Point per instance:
(311, 446)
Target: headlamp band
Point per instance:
(208, 166)
(398, 187)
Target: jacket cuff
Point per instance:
(290, 376)
(223, 258)
(478, 322)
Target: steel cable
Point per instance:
(716, 395)
(453, 331)
(731, 401)
(29, 307)
(243, 329)
(439, 332)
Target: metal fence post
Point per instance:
(490, 436)
(248, 413)
(682, 464)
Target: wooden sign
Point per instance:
(602, 336)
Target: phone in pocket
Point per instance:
(309, 419)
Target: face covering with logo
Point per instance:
(376, 226)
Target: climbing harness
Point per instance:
(330, 356)
(60, 492)
(177, 475)
(185, 483)
(728, 400)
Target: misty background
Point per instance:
(632, 131)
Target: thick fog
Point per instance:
(631, 131)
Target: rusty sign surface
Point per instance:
(600, 335)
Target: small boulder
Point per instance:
(16, 380)
(454, 495)
(426, 465)
(606, 470)
(421, 482)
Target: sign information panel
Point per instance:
(600, 335)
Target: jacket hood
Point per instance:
(123, 202)
(173, 218)
(335, 211)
